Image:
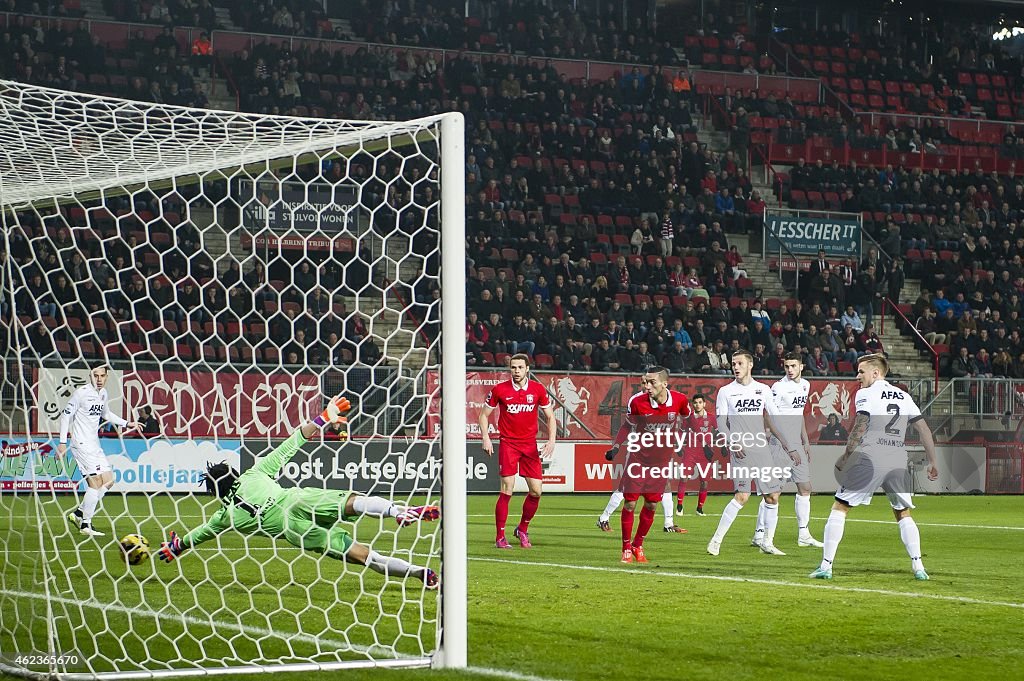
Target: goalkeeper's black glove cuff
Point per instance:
(611, 454)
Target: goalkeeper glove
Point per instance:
(333, 413)
(171, 549)
(709, 453)
(611, 454)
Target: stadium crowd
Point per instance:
(599, 229)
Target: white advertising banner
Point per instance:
(54, 391)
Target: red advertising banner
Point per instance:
(223, 404)
(593, 473)
(593, 406)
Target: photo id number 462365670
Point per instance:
(35, 660)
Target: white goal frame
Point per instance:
(81, 175)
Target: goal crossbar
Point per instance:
(71, 139)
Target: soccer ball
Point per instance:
(134, 549)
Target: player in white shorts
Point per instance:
(745, 416)
(876, 456)
(790, 395)
(88, 404)
(616, 499)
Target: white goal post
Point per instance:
(233, 271)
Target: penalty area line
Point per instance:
(716, 515)
(756, 580)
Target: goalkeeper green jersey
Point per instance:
(255, 503)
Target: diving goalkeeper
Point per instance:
(253, 503)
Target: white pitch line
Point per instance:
(754, 580)
(716, 515)
(259, 631)
(506, 674)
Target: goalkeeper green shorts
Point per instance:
(310, 519)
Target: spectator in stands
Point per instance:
(150, 424)
(1002, 364)
(605, 357)
(927, 326)
(816, 363)
(202, 53)
(870, 341)
(718, 362)
(832, 430)
(964, 366)
(852, 319)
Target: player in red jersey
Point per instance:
(703, 426)
(518, 401)
(653, 409)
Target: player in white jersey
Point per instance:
(745, 416)
(876, 456)
(616, 499)
(790, 396)
(88, 404)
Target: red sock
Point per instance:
(501, 514)
(702, 497)
(627, 526)
(646, 520)
(681, 492)
(530, 505)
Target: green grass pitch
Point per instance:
(567, 609)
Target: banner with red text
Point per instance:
(593, 406)
(203, 405)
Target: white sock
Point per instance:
(759, 528)
(667, 499)
(802, 506)
(834, 527)
(89, 503)
(102, 492)
(613, 503)
(911, 537)
(376, 506)
(389, 565)
(728, 516)
(771, 521)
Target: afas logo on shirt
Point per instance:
(748, 405)
(96, 410)
(799, 401)
(891, 395)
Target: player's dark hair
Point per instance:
(660, 370)
(520, 356)
(699, 396)
(793, 356)
(219, 478)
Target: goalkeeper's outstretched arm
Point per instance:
(272, 463)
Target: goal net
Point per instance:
(234, 272)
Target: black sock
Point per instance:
(78, 513)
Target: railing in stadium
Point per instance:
(888, 303)
(984, 397)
